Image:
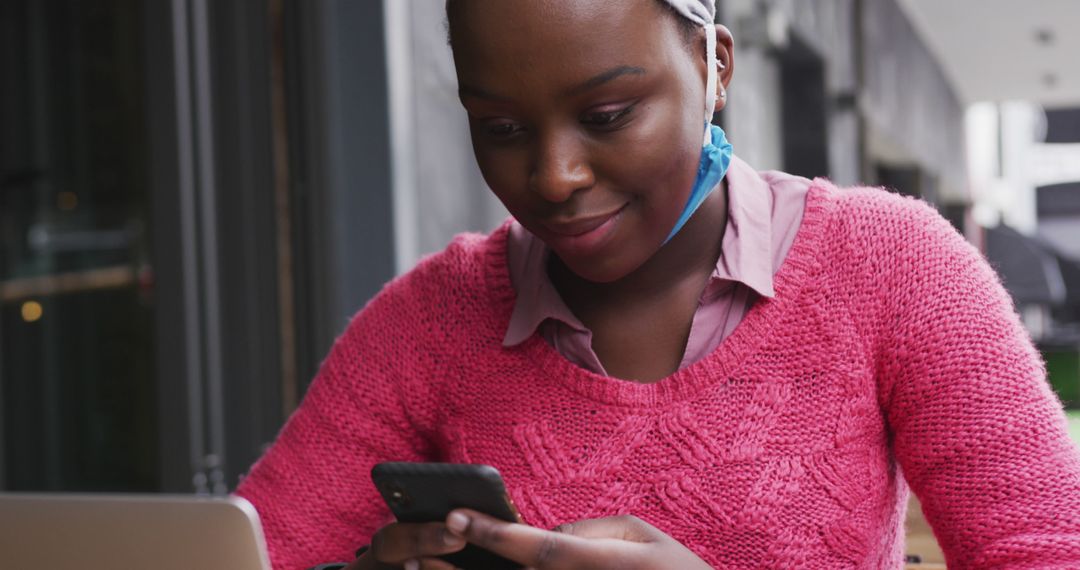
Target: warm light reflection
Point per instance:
(32, 311)
(67, 201)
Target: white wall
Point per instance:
(1001, 141)
(752, 119)
(907, 98)
(438, 190)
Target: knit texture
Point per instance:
(891, 356)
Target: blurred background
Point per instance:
(195, 195)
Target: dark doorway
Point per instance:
(77, 381)
(805, 119)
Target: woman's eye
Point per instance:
(503, 130)
(606, 118)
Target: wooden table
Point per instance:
(921, 541)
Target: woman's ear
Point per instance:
(725, 64)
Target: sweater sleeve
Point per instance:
(368, 403)
(980, 436)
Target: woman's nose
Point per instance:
(561, 167)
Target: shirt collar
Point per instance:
(746, 254)
(745, 257)
(537, 299)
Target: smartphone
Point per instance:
(427, 492)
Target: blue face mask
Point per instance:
(715, 159)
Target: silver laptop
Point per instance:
(118, 532)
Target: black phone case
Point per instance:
(427, 492)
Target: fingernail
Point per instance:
(451, 539)
(457, 522)
(412, 565)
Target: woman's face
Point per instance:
(586, 119)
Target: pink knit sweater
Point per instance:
(890, 356)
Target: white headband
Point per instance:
(702, 13)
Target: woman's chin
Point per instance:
(603, 270)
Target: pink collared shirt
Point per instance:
(764, 213)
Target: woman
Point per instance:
(675, 362)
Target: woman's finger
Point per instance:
(434, 564)
(534, 547)
(623, 527)
(397, 543)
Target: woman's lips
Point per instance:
(582, 235)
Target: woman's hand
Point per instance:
(401, 545)
(625, 542)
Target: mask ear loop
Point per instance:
(710, 83)
(716, 154)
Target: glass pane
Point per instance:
(76, 296)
